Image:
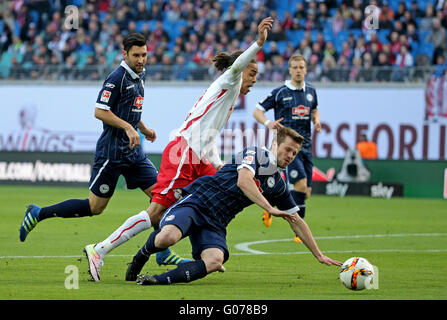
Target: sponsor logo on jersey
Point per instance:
(105, 96)
(138, 102)
(301, 112)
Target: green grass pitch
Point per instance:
(405, 238)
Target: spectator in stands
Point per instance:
(438, 37)
(314, 70)
(440, 66)
(384, 73)
(404, 59)
(427, 21)
(415, 11)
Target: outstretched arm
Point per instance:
(244, 59)
(301, 229)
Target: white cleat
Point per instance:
(95, 261)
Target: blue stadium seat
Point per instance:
(266, 47)
(282, 45)
(423, 35)
(140, 24)
(356, 32)
(426, 49)
(382, 35)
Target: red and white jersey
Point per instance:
(212, 110)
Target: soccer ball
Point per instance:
(357, 274)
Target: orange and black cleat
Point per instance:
(267, 219)
(297, 239)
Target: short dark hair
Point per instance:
(284, 132)
(133, 39)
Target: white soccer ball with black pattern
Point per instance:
(357, 274)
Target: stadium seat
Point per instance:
(140, 24)
(427, 49)
(282, 45)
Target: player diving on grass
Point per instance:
(118, 151)
(211, 202)
(193, 152)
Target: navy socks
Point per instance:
(300, 199)
(185, 272)
(73, 208)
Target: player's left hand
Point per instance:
(150, 135)
(263, 29)
(328, 261)
(317, 126)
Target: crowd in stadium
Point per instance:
(183, 36)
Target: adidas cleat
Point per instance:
(30, 220)
(146, 280)
(95, 262)
(169, 257)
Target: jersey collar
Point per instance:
(288, 84)
(128, 69)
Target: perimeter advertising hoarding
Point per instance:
(59, 118)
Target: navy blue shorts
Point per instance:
(300, 168)
(192, 223)
(105, 173)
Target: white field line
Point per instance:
(248, 251)
(245, 246)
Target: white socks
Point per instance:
(133, 226)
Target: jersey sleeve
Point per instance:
(109, 94)
(315, 101)
(234, 72)
(268, 103)
(247, 159)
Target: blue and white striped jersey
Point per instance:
(123, 94)
(295, 106)
(219, 197)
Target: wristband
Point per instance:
(266, 122)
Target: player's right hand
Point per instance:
(134, 137)
(275, 124)
(278, 213)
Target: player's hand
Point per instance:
(317, 126)
(278, 213)
(275, 124)
(263, 29)
(150, 134)
(328, 261)
(220, 166)
(134, 137)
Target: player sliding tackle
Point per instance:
(193, 153)
(211, 202)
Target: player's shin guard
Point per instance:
(73, 208)
(185, 272)
(130, 228)
(300, 199)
